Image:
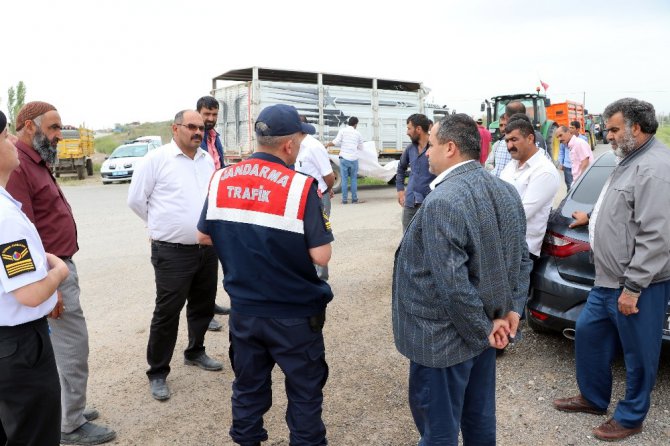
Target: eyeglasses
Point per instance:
(193, 127)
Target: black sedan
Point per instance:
(563, 275)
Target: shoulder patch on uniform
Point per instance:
(16, 258)
(326, 221)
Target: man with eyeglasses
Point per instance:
(167, 192)
(39, 129)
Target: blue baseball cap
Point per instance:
(281, 120)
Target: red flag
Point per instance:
(545, 86)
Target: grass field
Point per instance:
(663, 134)
(107, 144)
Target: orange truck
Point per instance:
(563, 113)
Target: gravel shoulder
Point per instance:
(366, 395)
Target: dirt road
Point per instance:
(366, 395)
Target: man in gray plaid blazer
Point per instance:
(460, 282)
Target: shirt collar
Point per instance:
(28, 150)
(176, 151)
(572, 141)
(530, 161)
(441, 177)
(417, 148)
(640, 149)
(268, 157)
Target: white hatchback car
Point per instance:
(121, 163)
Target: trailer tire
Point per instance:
(337, 185)
(57, 173)
(81, 172)
(89, 167)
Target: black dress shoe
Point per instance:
(218, 309)
(214, 325)
(159, 389)
(88, 433)
(205, 362)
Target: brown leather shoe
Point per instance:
(610, 430)
(577, 404)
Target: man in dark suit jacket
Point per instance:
(460, 281)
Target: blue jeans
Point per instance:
(461, 397)
(349, 169)
(567, 176)
(602, 332)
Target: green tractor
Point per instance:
(535, 103)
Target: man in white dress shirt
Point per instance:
(313, 160)
(167, 192)
(534, 177)
(350, 142)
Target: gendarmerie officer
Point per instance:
(267, 225)
(29, 386)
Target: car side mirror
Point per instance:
(106, 157)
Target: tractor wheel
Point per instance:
(89, 167)
(552, 143)
(81, 172)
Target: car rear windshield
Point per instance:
(589, 188)
(130, 151)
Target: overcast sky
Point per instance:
(103, 62)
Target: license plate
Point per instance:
(119, 173)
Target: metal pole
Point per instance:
(321, 106)
(375, 117)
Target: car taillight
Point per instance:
(537, 315)
(561, 246)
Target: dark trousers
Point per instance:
(183, 274)
(602, 332)
(461, 397)
(257, 344)
(29, 386)
(408, 215)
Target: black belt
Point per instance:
(177, 245)
(65, 258)
(10, 330)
